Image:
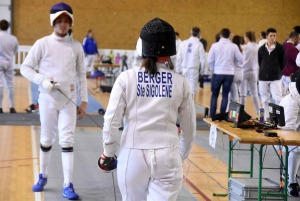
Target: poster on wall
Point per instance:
(5, 11)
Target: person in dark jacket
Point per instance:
(271, 61)
(291, 53)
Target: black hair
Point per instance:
(89, 31)
(195, 31)
(251, 36)
(294, 34)
(150, 65)
(270, 30)
(177, 34)
(4, 25)
(225, 33)
(297, 29)
(263, 34)
(217, 37)
(237, 40)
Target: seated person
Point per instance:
(291, 105)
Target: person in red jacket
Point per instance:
(291, 53)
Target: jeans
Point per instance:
(217, 81)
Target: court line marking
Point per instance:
(35, 160)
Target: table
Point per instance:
(98, 66)
(251, 137)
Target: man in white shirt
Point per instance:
(221, 61)
(8, 48)
(60, 61)
(190, 58)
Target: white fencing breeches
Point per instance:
(192, 74)
(55, 118)
(285, 83)
(141, 178)
(294, 161)
(266, 89)
(8, 76)
(235, 88)
(251, 81)
(89, 62)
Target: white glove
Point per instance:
(49, 85)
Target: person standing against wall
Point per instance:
(8, 48)
(250, 70)
(190, 58)
(262, 39)
(90, 49)
(221, 61)
(291, 53)
(271, 61)
(237, 79)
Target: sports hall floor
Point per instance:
(19, 158)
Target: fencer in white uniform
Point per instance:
(8, 48)
(237, 79)
(190, 58)
(60, 59)
(148, 99)
(250, 70)
(291, 105)
(298, 59)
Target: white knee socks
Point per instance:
(44, 160)
(67, 163)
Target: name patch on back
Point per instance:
(159, 85)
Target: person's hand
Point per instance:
(49, 85)
(81, 110)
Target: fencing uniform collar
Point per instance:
(65, 38)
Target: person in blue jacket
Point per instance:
(90, 49)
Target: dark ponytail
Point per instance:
(150, 65)
(251, 36)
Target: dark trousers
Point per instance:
(217, 81)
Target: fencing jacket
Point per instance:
(190, 55)
(8, 48)
(60, 59)
(149, 107)
(250, 58)
(291, 105)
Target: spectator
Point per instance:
(90, 49)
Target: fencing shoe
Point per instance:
(292, 190)
(39, 186)
(1, 111)
(69, 192)
(12, 110)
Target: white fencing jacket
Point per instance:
(190, 55)
(149, 107)
(250, 58)
(8, 48)
(291, 105)
(298, 59)
(60, 59)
